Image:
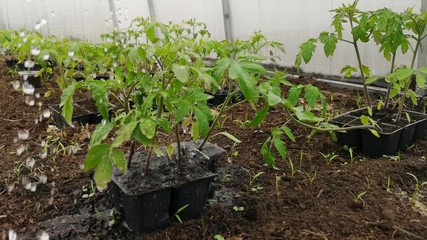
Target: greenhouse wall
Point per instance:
(289, 21)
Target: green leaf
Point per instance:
(423, 70)
(67, 102)
(103, 173)
(259, 116)
(370, 80)
(95, 155)
(311, 95)
(330, 41)
(135, 55)
(348, 70)
(281, 147)
(369, 111)
(181, 72)
(307, 49)
(253, 67)
(100, 133)
(220, 67)
(366, 70)
(118, 159)
(421, 81)
(294, 94)
(288, 133)
(203, 115)
(141, 138)
(273, 99)
(124, 133)
(268, 155)
(148, 128)
(230, 136)
(364, 120)
(403, 73)
(165, 124)
(375, 132)
(184, 108)
(308, 116)
(100, 95)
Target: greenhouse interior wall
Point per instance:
(288, 21)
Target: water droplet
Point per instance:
(46, 57)
(15, 140)
(44, 236)
(30, 162)
(27, 88)
(10, 187)
(16, 85)
(43, 179)
(12, 235)
(29, 101)
(46, 113)
(37, 95)
(37, 26)
(29, 63)
(36, 121)
(71, 53)
(22, 34)
(20, 150)
(52, 13)
(23, 134)
(35, 51)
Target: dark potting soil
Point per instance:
(164, 172)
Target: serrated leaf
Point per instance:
(288, 133)
(348, 70)
(99, 93)
(203, 115)
(100, 133)
(421, 81)
(366, 70)
(67, 102)
(95, 155)
(103, 173)
(330, 43)
(308, 116)
(259, 116)
(281, 147)
(268, 155)
(311, 95)
(184, 108)
(423, 70)
(148, 128)
(124, 133)
(181, 72)
(118, 159)
(253, 67)
(294, 94)
(273, 99)
(307, 49)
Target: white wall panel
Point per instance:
(289, 21)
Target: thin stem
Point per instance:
(178, 145)
(387, 98)
(408, 81)
(345, 40)
(359, 61)
(221, 112)
(132, 152)
(326, 129)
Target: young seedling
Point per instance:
(417, 189)
(329, 157)
(312, 178)
(388, 189)
(357, 199)
(176, 215)
(252, 178)
(238, 209)
(368, 183)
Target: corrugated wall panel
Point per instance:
(287, 21)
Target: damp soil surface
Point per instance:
(319, 192)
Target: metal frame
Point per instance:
(228, 29)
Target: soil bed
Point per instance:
(316, 201)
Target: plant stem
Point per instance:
(221, 112)
(408, 81)
(326, 129)
(359, 61)
(132, 152)
(387, 98)
(178, 143)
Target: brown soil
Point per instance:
(285, 206)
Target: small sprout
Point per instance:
(46, 113)
(176, 215)
(29, 63)
(218, 237)
(16, 85)
(27, 88)
(35, 51)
